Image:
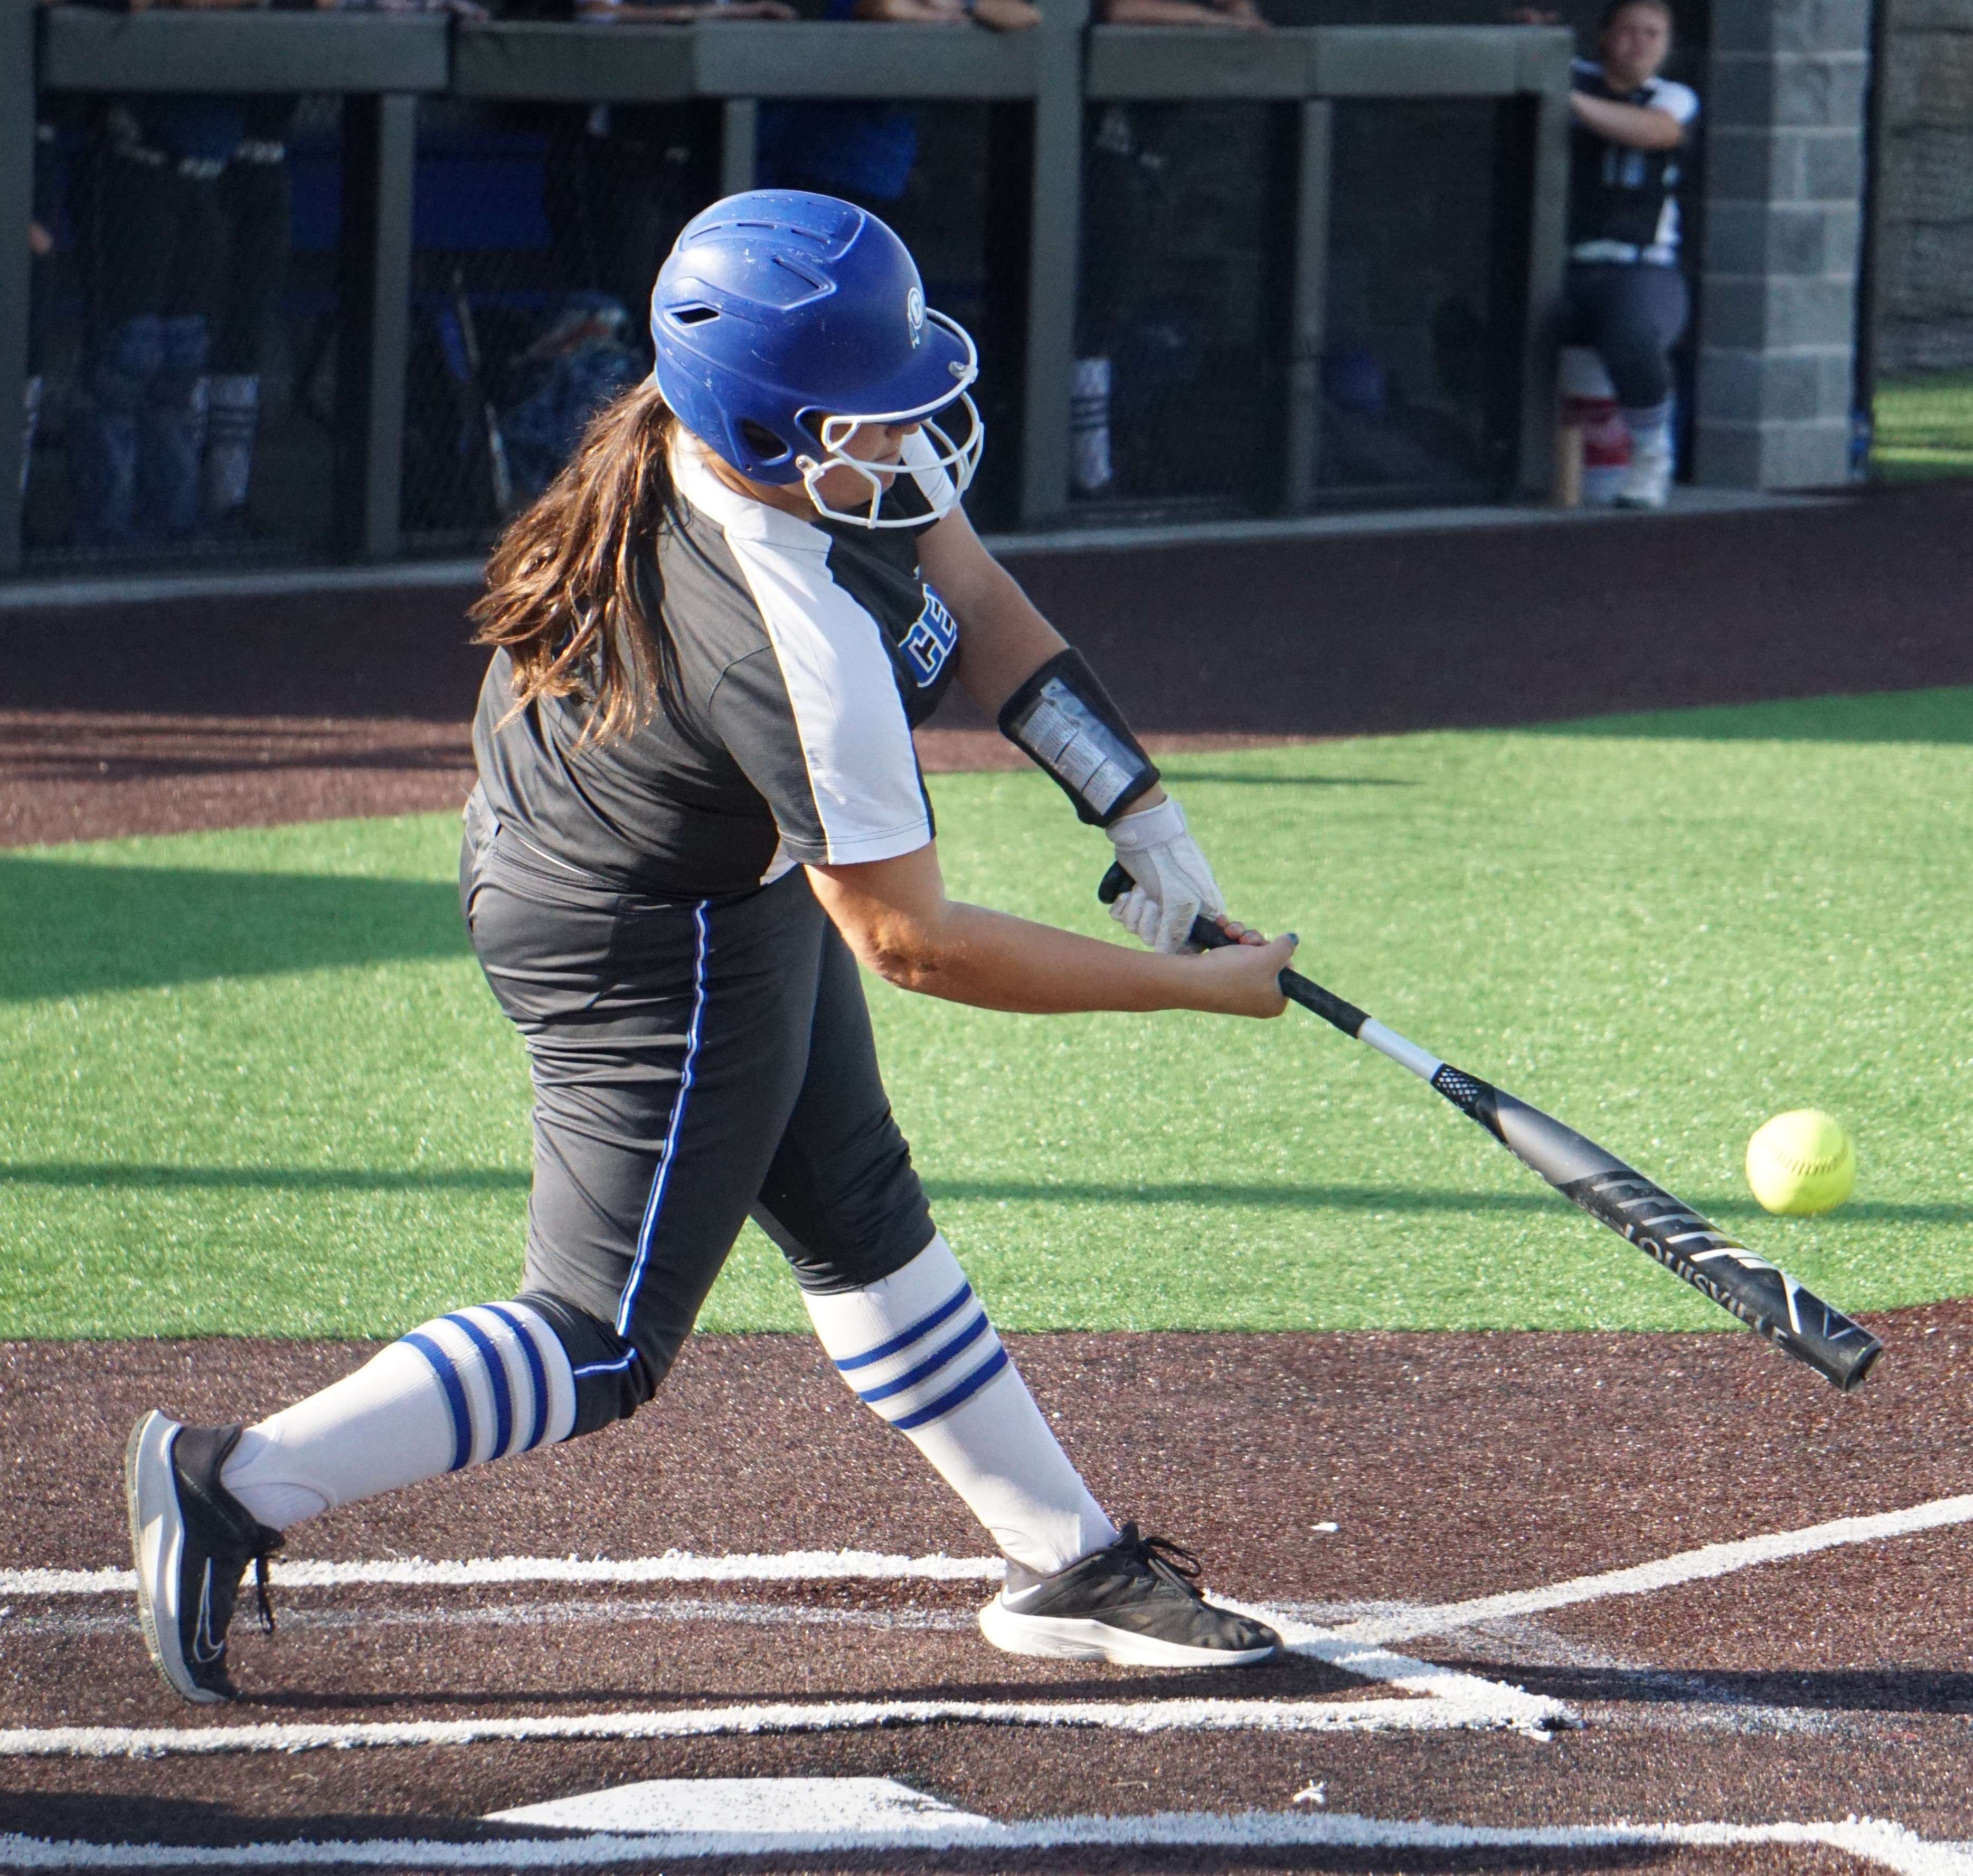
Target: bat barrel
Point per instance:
(1848, 1371)
(1666, 1229)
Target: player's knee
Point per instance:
(613, 1376)
(827, 1264)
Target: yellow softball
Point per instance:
(1802, 1163)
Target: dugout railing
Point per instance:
(1036, 84)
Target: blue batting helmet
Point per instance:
(783, 320)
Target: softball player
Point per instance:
(697, 806)
(1625, 294)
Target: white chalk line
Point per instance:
(672, 1567)
(1888, 1846)
(1396, 1623)
(1205, 1715)
(1710, 1559)
(1443, 1698)
(570, 1611)
(1452, 1700)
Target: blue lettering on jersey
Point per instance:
(931, 641)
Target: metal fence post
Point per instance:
(1055, 223)
(739, 126)
(379, 166)
(17, 198)
(1548, 231)
(1304, 302)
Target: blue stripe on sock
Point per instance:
(924, 1326)
(958, 1396)
(455, 1395)
(496, 1375)
(930, 1365)
(536, 1373)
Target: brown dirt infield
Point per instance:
(1453, 1466)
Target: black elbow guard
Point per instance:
(1064, 718)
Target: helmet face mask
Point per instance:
(958, 460)
(786, 322)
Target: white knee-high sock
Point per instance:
(475, 1385)
(917, 1348)
(1649, 428)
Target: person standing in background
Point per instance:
(154, 235)
(254, 197)
(1625, 296)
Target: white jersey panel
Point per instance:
(1675, 100)
(862, 768)
(841, 689)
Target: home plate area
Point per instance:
(1553, 1603)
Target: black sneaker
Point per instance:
(1135, 1601)
(193, 1540)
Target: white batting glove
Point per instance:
(1174, 885)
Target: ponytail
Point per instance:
(571, 592)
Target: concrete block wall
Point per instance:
(1784, 108)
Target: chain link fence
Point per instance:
(538, 231)
(1416, 374)
(182, 304)
(1172, 372)
(191, 252)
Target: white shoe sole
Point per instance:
(157, 1543)
(1075, 1638)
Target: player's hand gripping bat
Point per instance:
(1611, 1192)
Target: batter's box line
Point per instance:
(1479, 1705)
(1440, 1699)
(471, 1572)
(1889, 1846)
(1443, 1699)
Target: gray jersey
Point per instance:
(806, 653)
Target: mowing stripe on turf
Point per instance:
(1888, 1846)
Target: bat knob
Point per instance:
(1205, 934)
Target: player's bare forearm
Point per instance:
(895, 916)
(1636, 127)
(1003, 639)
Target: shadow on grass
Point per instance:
(68, 928)
(1932, 716)
(64, 1175)
(1379, 1199)
(83, 1175)
(1180, 771)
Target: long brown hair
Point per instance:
(571, 592)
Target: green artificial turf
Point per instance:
(253, 1084)
(1923, 427)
